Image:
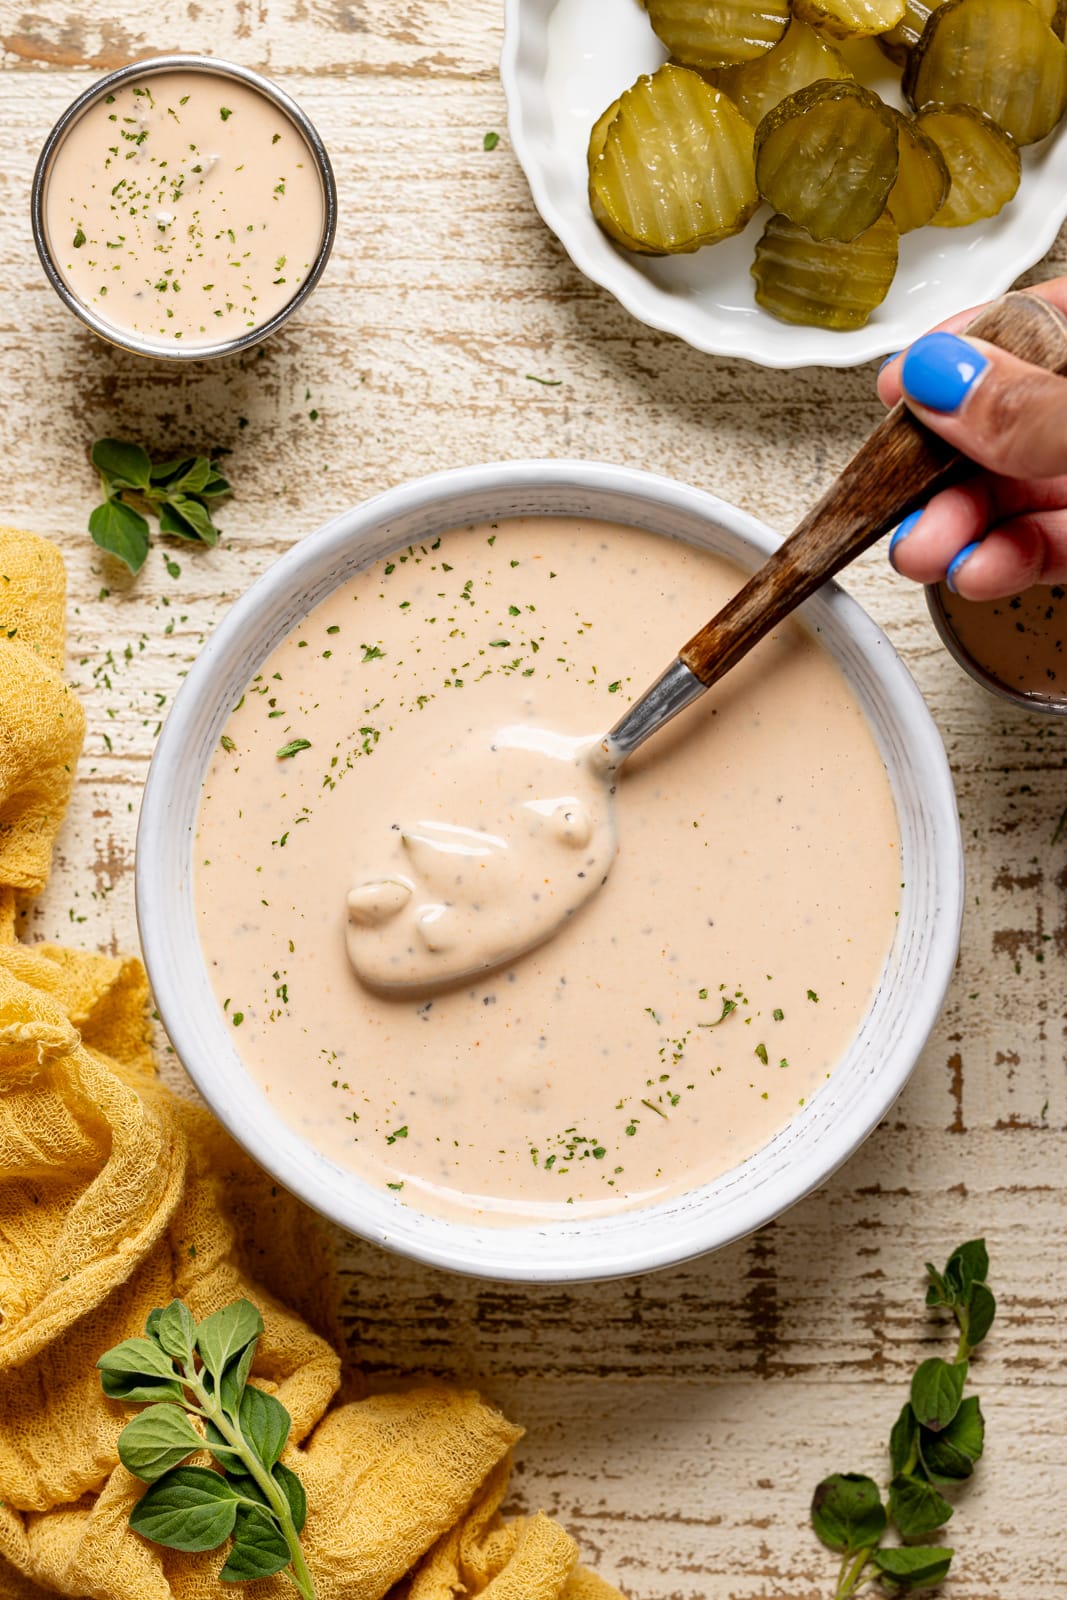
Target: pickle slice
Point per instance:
(799, 58)
(718, 33)
(982, 160)
(827, 283)
(597, 139)
(998, 55)
(1054, 13)
(850, 19)
(827, 158)
(922, 178)
(676, 169)
(899, 42)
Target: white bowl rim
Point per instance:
(595, 1248)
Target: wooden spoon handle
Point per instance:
(901, 465)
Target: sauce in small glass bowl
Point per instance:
(1016, 648)
(183, 207)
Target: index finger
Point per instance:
(889, 385)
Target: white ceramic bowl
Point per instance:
(835, 1120)
(564, 61)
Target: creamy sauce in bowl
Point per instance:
(682, 1014)
(183, 208)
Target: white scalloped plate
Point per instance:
(565, 60)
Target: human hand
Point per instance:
(1004, 528)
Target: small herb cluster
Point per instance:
(183, 1370)
(179, 492)
(934, 1445)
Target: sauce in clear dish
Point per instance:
(678, 1016)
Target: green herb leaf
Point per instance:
(258, 1550)
(904, 1440)
(157, 1440)
(175, 1331)
(140, 1391)
(265, 1424)
(913, 1567)
(916, 1507)
(977, 1317)
(124, 465)
(215, 487)
(122, 531)
(847, 1512)
(234, 1379)
(164, 471)
(225, 1335)
(137, 1358)
(950, 1455)
(936, 1292)
(293, 748)
(490, 141)
(187, 518)
(293, 1490)
(192, 477)
(967, 1265)
(192, 1508)
(936, 1391)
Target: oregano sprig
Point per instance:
(934, 1444)
(184, 1373)
(179, 492)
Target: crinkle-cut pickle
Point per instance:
(597, 139)
(827, 158)
(997, 55)
(850, 19)
(1054, 13)
(922, 178)
(676, 169)
(800, 57)
(718, 33)
(824, 283)
(982, 160)
(898, 43)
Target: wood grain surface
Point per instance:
(676, 1423)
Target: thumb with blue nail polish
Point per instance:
(1003, 527)
(1007, 415)
(940, 371)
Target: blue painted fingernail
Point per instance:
(940, 371)
(888, 359)
(902, 531)
(965, 555)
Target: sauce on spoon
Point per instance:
(513, 833)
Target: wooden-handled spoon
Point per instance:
(392, 944)
(898, 468)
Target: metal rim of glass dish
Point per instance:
(1049, 705)
(152, 66)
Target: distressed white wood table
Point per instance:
(677, 1423)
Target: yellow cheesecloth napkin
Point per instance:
(117, 1196)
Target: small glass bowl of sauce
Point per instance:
(183, 207)
(1016, 647)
